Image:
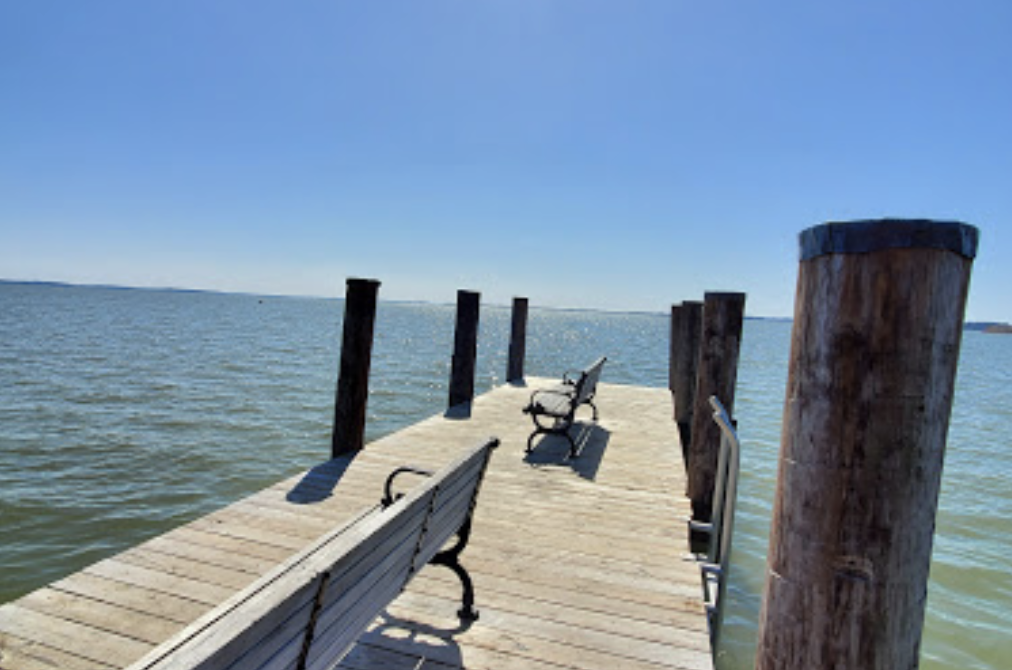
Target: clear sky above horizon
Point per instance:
(617, 155)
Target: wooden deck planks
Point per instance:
(25, 654)
(90, 642)
(577, 563)
(89, 587)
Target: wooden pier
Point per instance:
(577, 564)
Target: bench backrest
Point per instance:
(310, 610)
(586, 386)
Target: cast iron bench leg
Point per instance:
(451, 559)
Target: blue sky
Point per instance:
(619, 155)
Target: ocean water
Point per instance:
(124, 413)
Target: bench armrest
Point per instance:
(571, 377)
(388, 495)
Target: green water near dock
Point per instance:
(124, 413)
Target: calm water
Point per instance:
(124, 413)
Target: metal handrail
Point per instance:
(721, 528)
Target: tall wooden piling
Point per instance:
(518, 341)
(877, 329)
(673, 344)
(686, 328)
(716, 374)
(356, 355)
(465, 348)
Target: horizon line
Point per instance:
(404, 301)
(417, 301)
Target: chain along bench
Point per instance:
(309, 611)
(560, 403)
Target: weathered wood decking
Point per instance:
(577, 564)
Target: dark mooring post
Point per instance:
(518, 341)
(686, 329)
(465, 348)
(877, 327)
(676, 327)
(716, 374)
(356, 356)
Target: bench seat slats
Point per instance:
(328, 650)
(369, 561)
(462, 488)
(332, 623)
(441, 530)
(554, 402)
(216, 639)
(350, 578)
(337, 630)
(258, 621)
(262, 654)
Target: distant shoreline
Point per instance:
(979, 326)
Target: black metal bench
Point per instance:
(560, 403)
(309, 611)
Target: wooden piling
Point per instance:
(465, 348)
(356, 356)
(673, 344)
(875, 345)
(686, 326)
(716, 374)
(518, 341)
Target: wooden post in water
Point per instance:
(875, 345)
(356, 356)
(686, 327)
(674, 344)
(465, 347)
(518, 341)
(716, 374)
